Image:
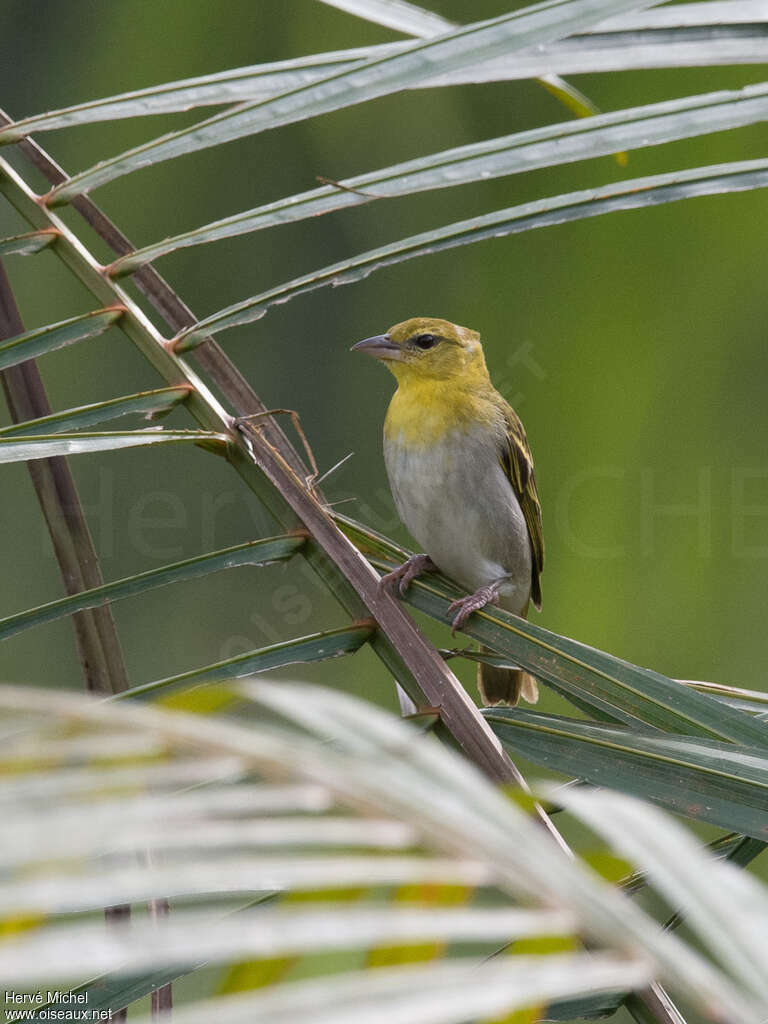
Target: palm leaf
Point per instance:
(465, 831)
(603, 134)
(253, 553)
(626, 195)
(720, 783)
(47, 339)
(332, 643)
(692, 34)
(145, 403)
(23, 449)
(236, 85)
(735, 696)
(415, 21)
(712, 895)
(464, 47)
(262, 933)
(628, 693)
(27, 244)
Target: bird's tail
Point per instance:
(505, 685)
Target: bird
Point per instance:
(461, 473)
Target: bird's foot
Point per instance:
(464, 606)
(403, 574)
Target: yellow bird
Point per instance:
(461, 474)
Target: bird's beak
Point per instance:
(380, 347)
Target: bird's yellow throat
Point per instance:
(423, 410)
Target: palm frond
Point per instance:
(700, 779)
(695, 34)
(626, 195)
(40, 446)
(468, 46)
(600, 135)
(414, 794)
(252, 553)
(145, 403)
(47, 339)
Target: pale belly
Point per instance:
(457, 502)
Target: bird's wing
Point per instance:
(517, 461)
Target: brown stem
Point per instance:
(97, 641)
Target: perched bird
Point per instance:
(461, 474)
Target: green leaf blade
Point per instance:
(720, 783)
(416, 63)
(29, 243)
(26, 449)
(567, 142)
(144, 403)
(33, 344)
(627, 195)
(755, 701)
(238, 85)
(633, 695)
(693, 34)
(332, 643)
(253, 553)
(416, 21)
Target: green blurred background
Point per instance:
(633, 346)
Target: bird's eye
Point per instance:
(425, 341)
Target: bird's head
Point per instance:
(425, 348)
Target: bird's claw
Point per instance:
(403, 574)
(464, 606)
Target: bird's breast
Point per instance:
(455, 498)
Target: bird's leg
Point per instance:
(403, 574)
(464, 606)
